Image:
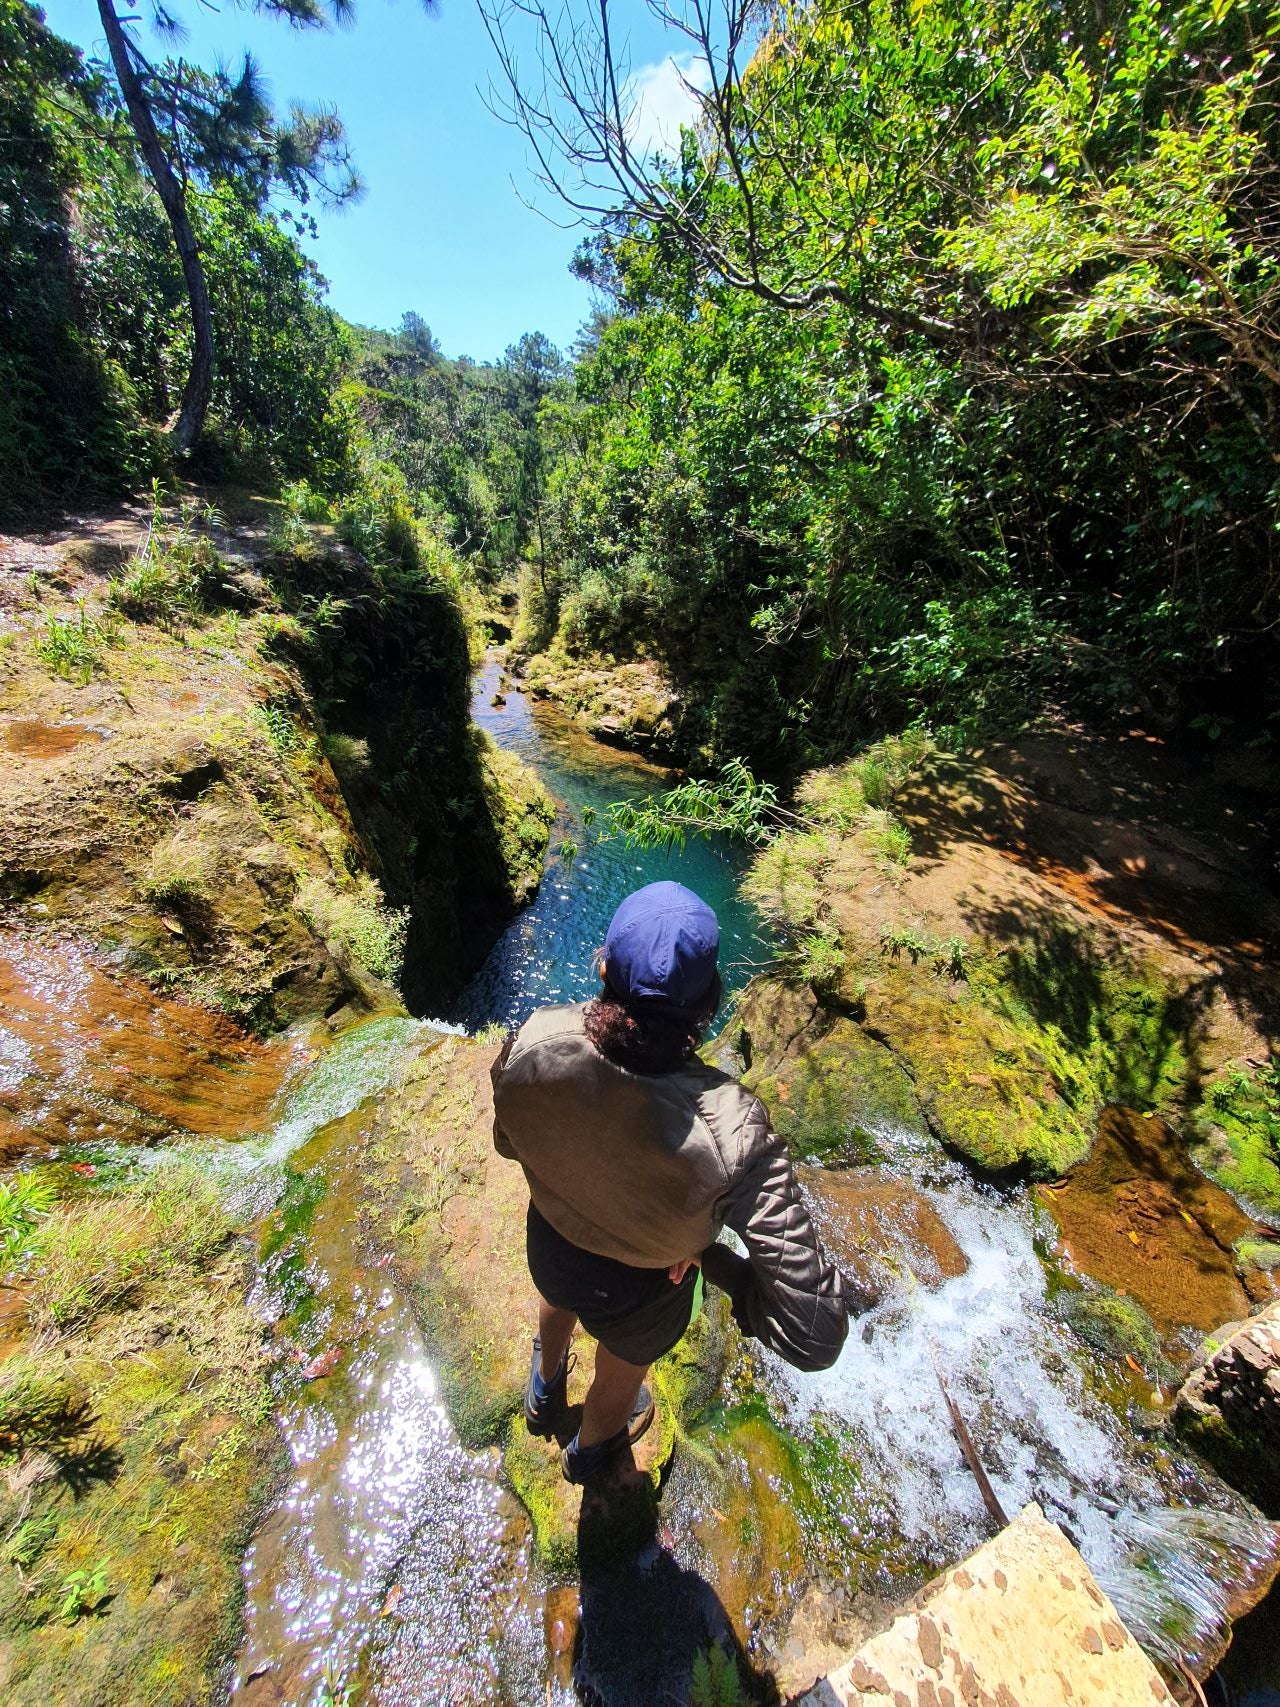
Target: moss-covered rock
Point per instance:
(140, 1447)
(626, 704)
(521, 812)
(225, 779)
(1257, 1255)
(969, 926)
(839, 1097)
(1236, 1134)
(1112, 1323)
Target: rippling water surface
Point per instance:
(548, 954)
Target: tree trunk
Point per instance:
(195, 397)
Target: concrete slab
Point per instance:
(1021, 1623)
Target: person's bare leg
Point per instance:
(610, 1397)
(555, 1330)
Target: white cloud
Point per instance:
(659, 102)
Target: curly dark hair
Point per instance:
(648, 1039)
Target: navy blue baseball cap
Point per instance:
(662, 947)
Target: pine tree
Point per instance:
(196, 127)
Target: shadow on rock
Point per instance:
(646, 1619)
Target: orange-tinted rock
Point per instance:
(1138, 1216)
(87, 1053)
(866, 1216)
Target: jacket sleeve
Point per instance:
(787, 1293)
(501, 1143)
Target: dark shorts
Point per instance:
(636, 1313)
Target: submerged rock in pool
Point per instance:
(873, 1224)
(1138, 1216)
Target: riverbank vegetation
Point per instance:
(937, 382)
(932, 380)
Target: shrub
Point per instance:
(616, 612)
(537, 607)
(784, 881)
(357, 920)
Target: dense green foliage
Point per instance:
(95, 337)
(948, 391)
(942, 382)
(465, 435)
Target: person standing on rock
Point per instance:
(637, 1154)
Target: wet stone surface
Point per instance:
(393, 1548)
(30, 738)
(1138, 1216)
(89, 1055)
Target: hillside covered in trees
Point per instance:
(934, 382)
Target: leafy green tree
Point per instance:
(941, 372)
(68, 416)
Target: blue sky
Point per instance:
(441, 229)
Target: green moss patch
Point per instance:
(1112, 1324)
(834, 1099)
(1236, 1135)
(1257, 1256)
(138, 1450)
(521, 812)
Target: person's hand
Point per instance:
(678, 1270)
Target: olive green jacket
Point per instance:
(647, 1168)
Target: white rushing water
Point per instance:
(1017, 1376)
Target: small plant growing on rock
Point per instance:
(358, 922)
(82, 1591)
(952, 956)
(889, 838)
(24, 1202)
(348, 754)
(281, 729)
(72, 646)
(176, 571)
(818, 959)
(716, 1680)
(334, 1690)
(897, 940)
(177, 874)
(25, 1545)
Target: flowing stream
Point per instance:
(396, 1561)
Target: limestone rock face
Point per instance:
(1229, 1406)
(1021, 1621)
